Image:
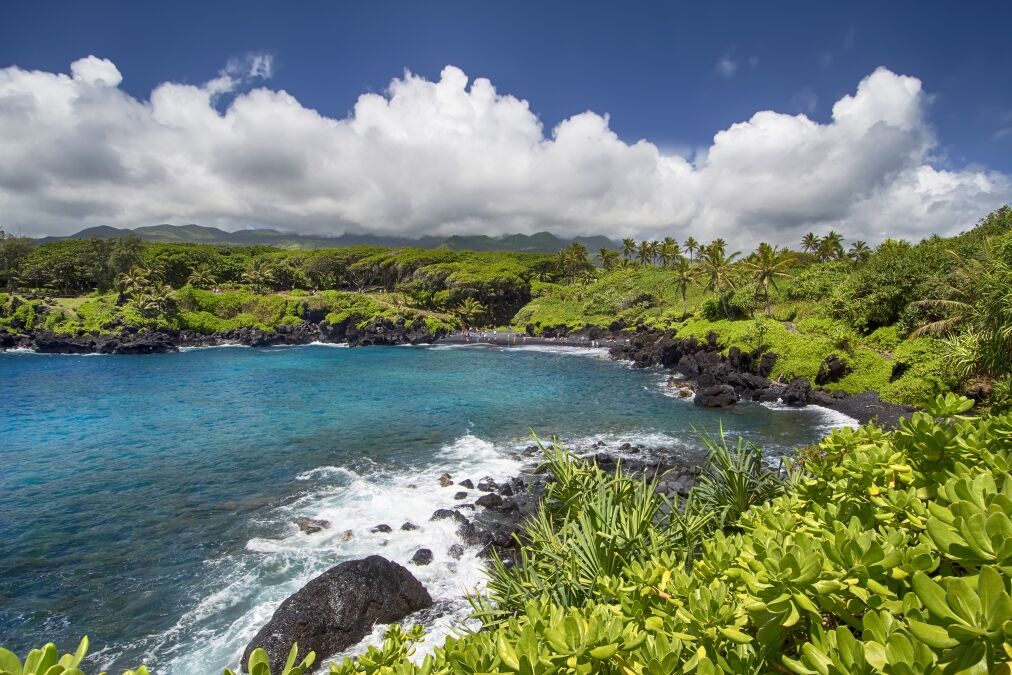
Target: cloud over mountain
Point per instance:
(456, 156)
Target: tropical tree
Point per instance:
(155, 300)
(767, 264)
(608, 258)
(201, 278)
(628, 248)
(258, 275)
(685, 274)
(831, 246)
(573, 260)
(719, 245)
(975, 312)
(645, 252)
(12, 251)
(691, 246)
(810, 242)
(716, 268)
(669, 251)
(133, 281)
(859, 251)
(470, 311)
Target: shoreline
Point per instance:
(710, 377)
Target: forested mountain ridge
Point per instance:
(539, 242)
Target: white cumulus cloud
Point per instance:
(456, 156)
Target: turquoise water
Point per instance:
(147, 501)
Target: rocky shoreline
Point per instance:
(715, 380)
(377, 332)
(489, 516)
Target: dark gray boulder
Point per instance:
(422, 556)
(338, 608)
(797, 392)
(716, 396)
(833, 369)
(490, 499)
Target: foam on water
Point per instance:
(826, 419)
(593, 352)
(227, 345)
(280, 565)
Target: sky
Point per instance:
(748, 121)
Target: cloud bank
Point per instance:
(456, 156)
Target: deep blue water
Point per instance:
(147, 501)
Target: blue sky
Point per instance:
(674, 74)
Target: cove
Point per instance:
(148, 500)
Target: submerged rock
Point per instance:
(382, 527)
(312, 525)
(338, 608)
(446, 480)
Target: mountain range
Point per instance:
(540, 242)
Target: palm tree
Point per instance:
(976, 314)
(810, 242)
(831, 246)
(628, 248)
(645, 253)
(716, 267)
(859, 251)
(608, 258)
(767, 264)
(258, 275)
(155, 300)
(470, 311)
(573, 259)
(669, 251)
(719, 245)
(685, 274)
(132, 282)
(655, 248)
(200, 278)
(691, 245)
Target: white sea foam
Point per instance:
(593, 352)
(227, 345)
(317, 343)
(275, 566)
(828, 419)
(18, 350)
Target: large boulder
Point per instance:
(797, 392)
(832, 369)
(716, 396)
(338, 608)
(766, 363)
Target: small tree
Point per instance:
(470, 311)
